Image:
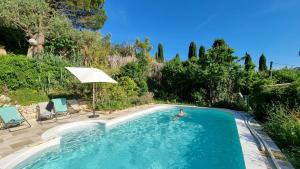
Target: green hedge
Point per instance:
(266, 96)
(18, 71)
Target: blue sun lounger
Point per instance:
(60, 106)
(11, 117)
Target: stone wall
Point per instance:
(29, 112)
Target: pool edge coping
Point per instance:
(52, 137)
(13, 160)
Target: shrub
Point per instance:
(199, 98)
(145, 99)
(284, 125)
(265, 95)
(118, 96)
(122, 95)
(239, 105)
(28, 96)
(286, 75)
(18, 71)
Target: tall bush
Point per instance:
(17, 72)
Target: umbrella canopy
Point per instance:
(90, 75)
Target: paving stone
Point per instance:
(21, 144)
(5, 151)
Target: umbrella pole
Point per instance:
(94, 91)
(94, 98)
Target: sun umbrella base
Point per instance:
(93, 116)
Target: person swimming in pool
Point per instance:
(179, 115)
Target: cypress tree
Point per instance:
(249, 65)
(201, 52)
(177, 58)
(156, 56)
(192, 50)
(262, 64)
(160, 53)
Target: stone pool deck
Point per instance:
(13, 141)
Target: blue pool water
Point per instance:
(203, 139)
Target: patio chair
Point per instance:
(11, 117)
(74, 106)
(60, 107)
(45, 110)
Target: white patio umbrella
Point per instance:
(91, 75)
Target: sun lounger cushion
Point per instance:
(60, 105)
(74, 105)
(45, 109)
(11, 115)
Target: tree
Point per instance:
(221, 72)
(156, 56)
(262, 64)
(94, 48)
(177, 58)
(249, 65)
(143, 48)
(160, 53)
(219, 43)
(220, 53)
(248, 74)
(88, 14)
(192, 50)
(32, 17)
(201, 52)
(138, 71)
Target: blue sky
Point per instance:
(271, 27)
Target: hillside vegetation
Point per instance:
(42, 43)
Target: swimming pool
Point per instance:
(204, 138)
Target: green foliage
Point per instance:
(283, 125)
(32, 16)
(265, 95)
(292, 154)
(192, 50)
(201, 52)
(198, 97)
(262, 63)
(123, 50)
(143, 48)
(249, 65)
(218, 78)
(83, 13)
(28, 96)
(20, 72)
(236, 105)
(172, 83)
(93, 47)
(138, 71)
(122, 95)
(177, 58)
(222, 74)
(63, 46)
(160, 53)
(286, 75)
(220, 53)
